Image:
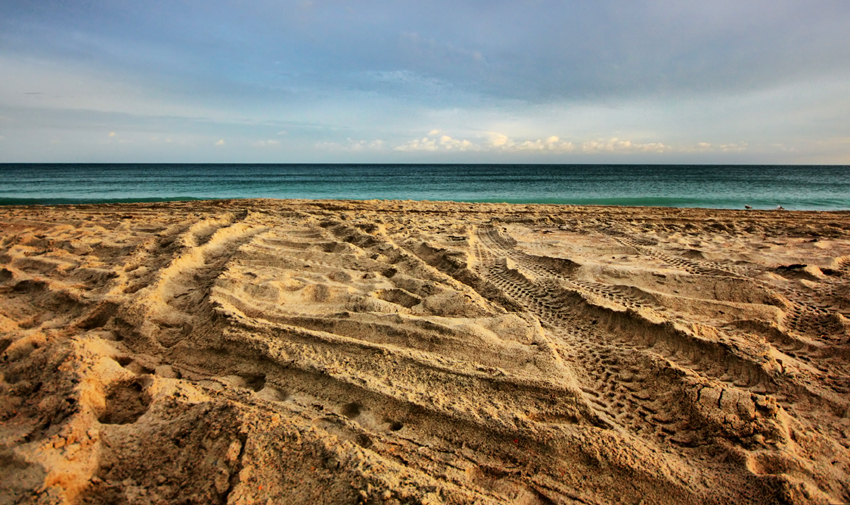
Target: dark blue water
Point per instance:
(731, 186)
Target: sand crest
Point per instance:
(421, 352)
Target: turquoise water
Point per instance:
(709, 186)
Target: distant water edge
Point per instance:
(703, 186)
(87, 201)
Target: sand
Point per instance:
(262, 351)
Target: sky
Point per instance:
(531, 81)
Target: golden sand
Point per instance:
(261, 351)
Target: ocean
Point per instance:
(707, 186)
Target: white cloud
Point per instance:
(741, 146)
(499, 139)
(449, 143)
(111, 134)
(282, 132)
(220, 142)
(502, 142)
(352, 145)
(432, 142)
(497, 142)
(423, 144)
(374, 144)
(615, 145)
(707, 147)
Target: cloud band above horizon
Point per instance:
(554, 82)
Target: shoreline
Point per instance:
(129, 201)
(675, 186)
(389, 351)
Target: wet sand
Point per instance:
(421, 352)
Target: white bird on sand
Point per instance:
(779, 207)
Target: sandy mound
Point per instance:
(401, 352)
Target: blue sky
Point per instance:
(402, 81)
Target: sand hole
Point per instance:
(340, 276)
(126, 402)
(351, 410)
(264, 291)
(396, 426)
(321, 293)
(363, 440)
(5, 275)
(255, 382)
(399, 297)
(133, 288)
(98, 317)
(93, 276)
(134, 366)
(30, 286)
(368, 227)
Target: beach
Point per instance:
(332, 351)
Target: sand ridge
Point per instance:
(423, 352)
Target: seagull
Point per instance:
(779, 207)
(748, 207)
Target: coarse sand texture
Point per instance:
(263, 351)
